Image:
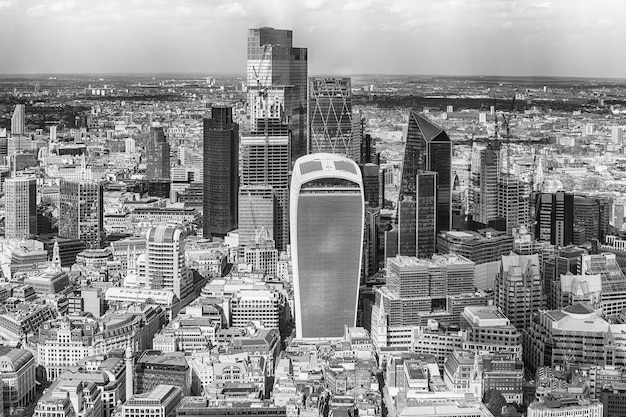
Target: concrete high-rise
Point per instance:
(82, 209)
(158, 156)
(277, 84)
(221, 172)
(485, 196)
(166, 268)
(330, 115)
(20, 207)
(327, 212)
(18, 120)
(428, 148)
(256, 212)
(265, 163)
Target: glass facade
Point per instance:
(157, 155)
(277, 84)
(426, 213)
(428, 148)
(327, 219)
(221, 172)
(82, 205)
(330, 115)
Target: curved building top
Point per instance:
(325, 165)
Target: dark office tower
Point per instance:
(330, 115)
(428, 148)
(566, 260)
(591, 217)
(371, 185)
(368, 150)
(221, 170)
(371, 242)
(426, 210)
(277, 84)
(486, 185)
(158, 156)
(327, 216)
(554, 217)
(82, 210)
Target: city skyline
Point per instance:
(452, 37)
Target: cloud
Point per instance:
(36, 10)
(233, 9)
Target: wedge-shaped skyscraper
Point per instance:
(327, 209)
(428, 148)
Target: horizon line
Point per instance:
(243, 75)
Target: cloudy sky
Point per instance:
(452, 37)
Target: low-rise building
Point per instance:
(161, 401)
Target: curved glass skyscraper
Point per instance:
(327, 209)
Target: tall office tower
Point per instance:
(458, 272)
(165, 261)
(426, 213)
(428, 148)
(20, 207)
(157, 155)
(18, 120)
(519, 290)
(277, 84)
(256, 212)
(82, 208)
(327, 211)
(265, 162)
(368, 150)
(53, 133)
(485, 196)
(554, 217)
(513, 201)
(221, 172)
(330, 115)
(371, 184)
(371, 242)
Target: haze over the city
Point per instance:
(448, 37)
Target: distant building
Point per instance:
(554, 217)
(20, 207)
(157, 155)
(18, 120)
(82, 205)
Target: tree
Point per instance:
(494, 400)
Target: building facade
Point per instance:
(327, 211)
(82, 205)
(20, 207)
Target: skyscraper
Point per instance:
(256, 212)
(158, 156)
(330, 115)
(266, 163)
(82, 208)
(20, 207)
(426, 213)
(554, 217)
(18, 120)
(428, 148)
(327, 211)
(221, 172)
(165, 261)
(277, 84)
(485, 196)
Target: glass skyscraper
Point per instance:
(277, 85)
(157, 155)
(428, 148)
(330, 115)
(82, 208)
(221, 172)
(327, 212)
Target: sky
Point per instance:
(585, 38)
